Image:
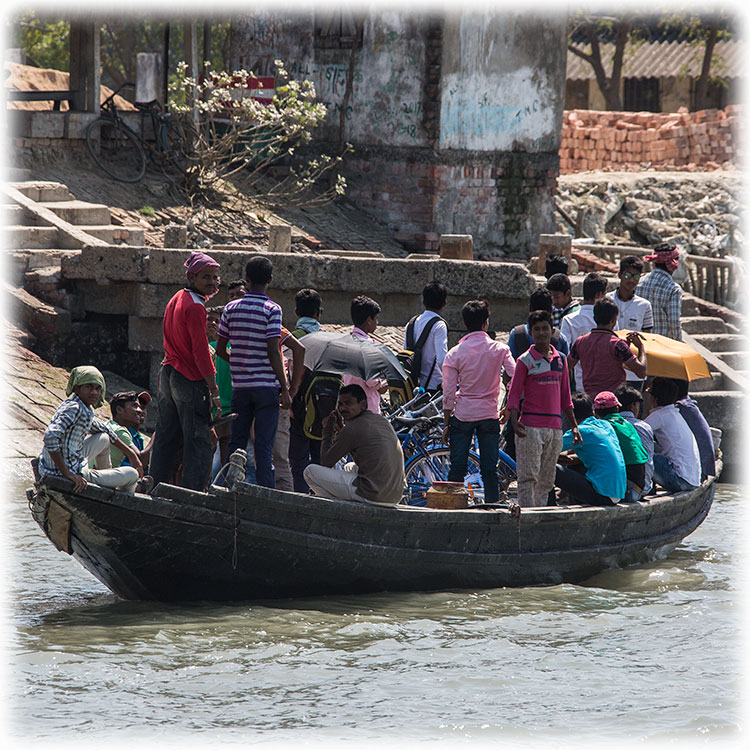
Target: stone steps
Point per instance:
(40, 191)
(115, 234)
(700, 324)
(78, 212)
(716, 383)
(736, 360)
(33, 237)
(721, 342)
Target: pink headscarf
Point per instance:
(666, 255)
(198, 260)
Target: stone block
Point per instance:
(279, 238)
(145, 334)
(115, 263)
(76, 124)
(457, 246)
(47, 125)
(150, 300)
(175, 235)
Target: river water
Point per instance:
(650, 654)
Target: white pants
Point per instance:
(96, 448)
(281, 468)
(536, 457)
(333, 483)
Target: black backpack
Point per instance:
(410, 358)
(314, 401)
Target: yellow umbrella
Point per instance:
(668, 358)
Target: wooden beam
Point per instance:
(85, 66)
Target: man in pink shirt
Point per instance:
(474, 365)
(364, 312)
(541, 380)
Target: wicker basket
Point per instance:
(447, 495)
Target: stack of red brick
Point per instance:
(593, 140)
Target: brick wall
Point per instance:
(621, 140)
(503, 200)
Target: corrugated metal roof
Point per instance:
(664, 59)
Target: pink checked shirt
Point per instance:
(475, 365)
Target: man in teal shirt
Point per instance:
(595, 473)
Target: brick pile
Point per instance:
(682, 140)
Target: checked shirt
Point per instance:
(68, 428)
(665, 296)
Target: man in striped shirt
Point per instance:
(252, 326)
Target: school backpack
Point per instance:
(316, 398)
(410, 358)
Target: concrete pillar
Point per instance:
(457, 246)
(279, 238)
(175, 235)
(148, 75)
(552, 244)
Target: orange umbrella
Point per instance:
(668, 358)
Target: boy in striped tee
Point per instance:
(252, 326)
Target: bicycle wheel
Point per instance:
(116, 149)
(421, 471)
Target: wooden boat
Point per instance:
(255, 543)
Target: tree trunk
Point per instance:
(701, 89)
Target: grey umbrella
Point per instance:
(345, 354)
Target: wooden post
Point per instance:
(85, 66)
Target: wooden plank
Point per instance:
(716, 364)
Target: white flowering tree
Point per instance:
(246, 145)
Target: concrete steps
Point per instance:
(79, 213)
(34, 237)
(699, 324)
(721, 342)
(736, 360)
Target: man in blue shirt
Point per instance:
(595, 473)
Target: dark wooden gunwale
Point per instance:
(180, 545)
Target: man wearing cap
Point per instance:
(128, 416)
(606, 407)
(661, 290)
(187, 380)
(74, 437)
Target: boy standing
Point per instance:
(252, 325)
(563, 303)
(364, 312)
(541, 380)
(68, 447)
(435, 346)
(634, 311)
(474, 365)
(604, 357)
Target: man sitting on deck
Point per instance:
(128, 416)
(67, 449)
(377, 472)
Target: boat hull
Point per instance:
(258, 543)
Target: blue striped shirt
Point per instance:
(248, 323)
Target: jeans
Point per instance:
(667, 477)
(580, 491)
(303, 451)
(183, 415)
(261, 405)
(488, 436)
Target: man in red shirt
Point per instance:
(187, 380)
(603, 355)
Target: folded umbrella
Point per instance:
(668, 358)
(345, 354)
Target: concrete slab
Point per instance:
(698, 324)
(79, 213)
(34, 238)
(721, 342)
(41, 190)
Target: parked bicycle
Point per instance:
(121, 152)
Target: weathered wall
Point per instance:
(386, 103)
(502, 81)
(455, 120)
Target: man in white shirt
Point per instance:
(582, 320)
(634, 311)
(677, 463)
(435, 347)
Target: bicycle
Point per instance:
(121, 152)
